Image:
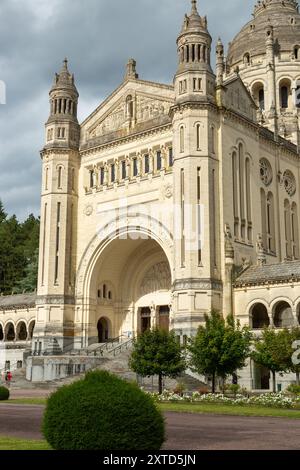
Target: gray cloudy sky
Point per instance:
(98, 37)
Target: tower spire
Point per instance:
(194, 7)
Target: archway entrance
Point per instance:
(138, 273)
(103, 330)
(164, 317)
(261, 377)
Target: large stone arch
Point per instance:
(10, 331)
(21, 330)
(258, 316)
(140, 225)
(123, 256)
(283, 314)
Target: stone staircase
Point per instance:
(113, 358)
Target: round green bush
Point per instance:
(4, 393)
(102, 412)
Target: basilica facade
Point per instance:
(170, 201)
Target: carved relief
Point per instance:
(157, 278)
(88, 210)
(289, 182)
(146, 109)
(265, 169)
(112, 122)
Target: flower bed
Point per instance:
(268, 400)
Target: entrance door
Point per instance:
(261, 376)
(164, 317)
(103, 330)
(145, 319)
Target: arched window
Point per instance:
(296, 52)
(46, 178)
(104, 291)
(263, 204)
(110, 295)
(297, 97)
(181, 139)
(247, 59)
(1, 333)
(284, 97)
(59, 177)
(73, 179)
(261, 99)
(258, 94)
(235, 194)
(31, 329)
(213, 139)
(287, 227)
(248, 198)
(295, 231)
(260, 318)
(198, 132)
(10, 332)
(285, 94)
(21, 332)
(242, 191)
(270, 223)
(283, 316)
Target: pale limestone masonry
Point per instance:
(214, 155)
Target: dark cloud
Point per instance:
(98, 37)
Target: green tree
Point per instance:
(12, 258)
(272, 351)
(29, 282)
(3, 214)
(292, 336)
(18, 252)
(156, 352)
(220, 347)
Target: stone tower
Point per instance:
(196, 286)
(60, 162)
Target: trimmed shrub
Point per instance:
(293, 388)
(4, 393)
(102, 412)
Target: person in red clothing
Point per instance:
(8, 377)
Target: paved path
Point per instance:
(184, 431)
(212, 432)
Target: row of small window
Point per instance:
(241, 185)
(60, 133)
(60, 171)
(295, 55)
(193, 53)
(285, 96)
(63, 106)
(19, 365)
(198, 138)
(104, 293)
(124, 172)
(197, 85)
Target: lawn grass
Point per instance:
(12, 443)
(233, 410)
(24, 401)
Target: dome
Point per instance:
(283, 15)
